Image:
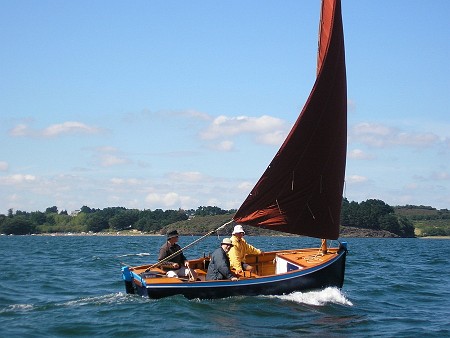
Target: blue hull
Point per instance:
(328, 274)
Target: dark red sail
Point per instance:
(301, 190)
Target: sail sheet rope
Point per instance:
(187, 247)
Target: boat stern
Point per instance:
(128, 279)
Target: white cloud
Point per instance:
(19, 130)
(69, 127)
(356, 179)
(191, 176)
(224, 146)
(440, 176)
(110, 156)
(213, 202)
(246, 186)
(13, 198)
(358, 154)
(4, 166)
(379, 135)
(193, 114)
(275, 138)
(17, 179)
(168, 200)
(125, 181)
(223, 126)
(109, 160)
(411, 186)
(187, 190)
(106, 149)
(416, 140)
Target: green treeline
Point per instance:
(96, 220)
(427, 220)
(377, 215)
(370, 214)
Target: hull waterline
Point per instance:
(329, 274)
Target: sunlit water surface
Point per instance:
(71, 286)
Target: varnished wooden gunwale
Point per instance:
(264, 265)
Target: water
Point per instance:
(70, 286)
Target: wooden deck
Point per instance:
(264, 265)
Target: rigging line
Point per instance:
(331, 214)
(279, 209)
(314, 217)
(186, 247)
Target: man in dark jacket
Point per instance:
(219, 265)
(179, 263)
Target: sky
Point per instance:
(170, 104)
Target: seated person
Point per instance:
(219, 265)
(240, 249)
(178, 264)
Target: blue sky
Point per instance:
(179, 104)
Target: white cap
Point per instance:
(171, 274)
(237, 229)
(227, 241)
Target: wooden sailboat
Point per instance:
(299, 193)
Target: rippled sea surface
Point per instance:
(71, 286)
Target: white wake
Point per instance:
(330, 295)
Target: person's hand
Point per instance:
(238, 271)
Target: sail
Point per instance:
(301, 190)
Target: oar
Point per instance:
(186, 247)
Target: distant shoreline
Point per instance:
(435, 237)
(98, 234)
(346, 232)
